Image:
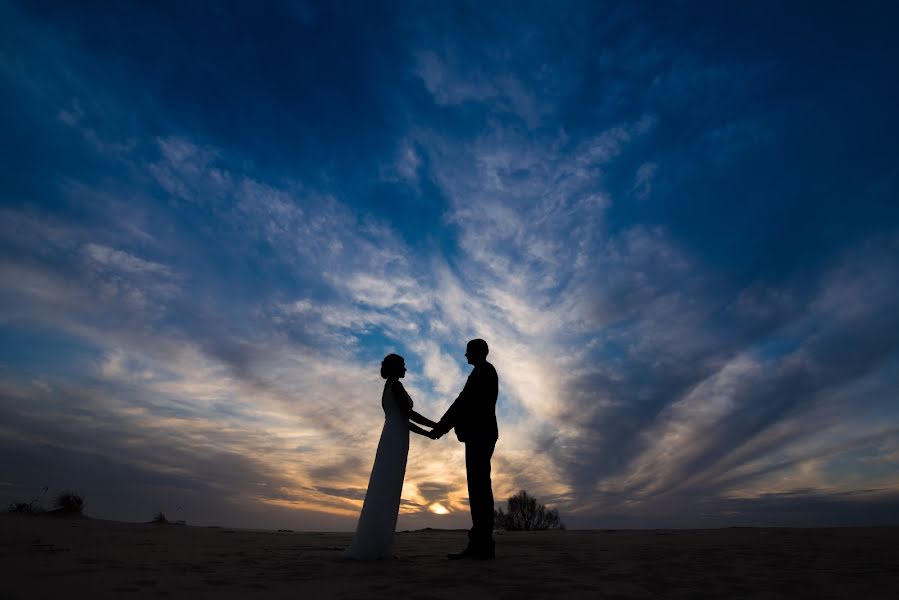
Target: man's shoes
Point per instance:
(484, 555)
(460, 555)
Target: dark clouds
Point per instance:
(675, 224)
(780, 379)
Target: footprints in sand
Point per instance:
(117, 561)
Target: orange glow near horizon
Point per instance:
(438, 509)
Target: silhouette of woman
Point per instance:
(374, 532)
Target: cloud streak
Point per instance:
(203, 321)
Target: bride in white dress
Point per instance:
(374, 533)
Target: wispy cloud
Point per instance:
(198, 301)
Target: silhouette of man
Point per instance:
(473, 415)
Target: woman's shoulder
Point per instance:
(399, 392)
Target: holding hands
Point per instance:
(434, 434)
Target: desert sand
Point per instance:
(50, 557)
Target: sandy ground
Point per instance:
(47, 557)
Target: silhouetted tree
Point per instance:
(526, 514)
(69, 503)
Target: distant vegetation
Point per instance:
(25, 508)
(160, 519)
(67, 503)
(29, 508)
(526, 514)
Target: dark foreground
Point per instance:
(84, 558)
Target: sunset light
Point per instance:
(501, 299)
(438, 509)
(674, 223)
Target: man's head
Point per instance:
(476, 352)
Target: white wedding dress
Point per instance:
(374, 533)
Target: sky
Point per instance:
(675, 223)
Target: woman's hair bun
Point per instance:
(391, 366)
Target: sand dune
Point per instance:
(48, 557)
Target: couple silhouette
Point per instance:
(473, 415)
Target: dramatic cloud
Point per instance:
(687, 281)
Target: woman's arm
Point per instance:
(404, 402)
(417, 418)
(416, 429)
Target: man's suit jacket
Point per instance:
(473, 414)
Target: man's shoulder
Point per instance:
(483, 371)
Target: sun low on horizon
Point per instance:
(438, 509)
(681, 244)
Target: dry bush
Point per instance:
(25, 508)
(526, 514)
(69, 503)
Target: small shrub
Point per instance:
(526, 514)
(25, 508)
(28, 508)
(69, 503)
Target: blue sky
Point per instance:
(675, 223)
